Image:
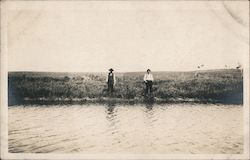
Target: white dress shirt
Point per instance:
(148, 77)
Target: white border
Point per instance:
(4, 119)
(4, 83)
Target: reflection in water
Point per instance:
(149, 105)
(111, 117)
(110, 111)
(111, 106)
(114, 128)
(150, 117)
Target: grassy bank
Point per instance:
(224, 86)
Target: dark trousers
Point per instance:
(149, 87)
(110, 88)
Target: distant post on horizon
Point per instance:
(111, 80)
(148, 79)
(198, 71)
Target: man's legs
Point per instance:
(110, 88)
(147, 88)
(150, 86)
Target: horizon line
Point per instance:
(126, 71)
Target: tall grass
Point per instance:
(217, 85)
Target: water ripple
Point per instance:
(172, 128)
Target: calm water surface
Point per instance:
(168, 128)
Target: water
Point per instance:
(169, 129)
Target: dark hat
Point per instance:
(111, 69)
(148, 70)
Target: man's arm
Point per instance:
(107, 77)
(114, 79)
(145, 78)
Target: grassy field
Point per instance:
(223, 86)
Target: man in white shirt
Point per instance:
(148, 79)
(111, 80)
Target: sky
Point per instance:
(85, 36)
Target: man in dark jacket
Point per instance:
(111, 80)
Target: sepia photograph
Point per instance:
(123, 79)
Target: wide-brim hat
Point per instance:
(111, 69)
